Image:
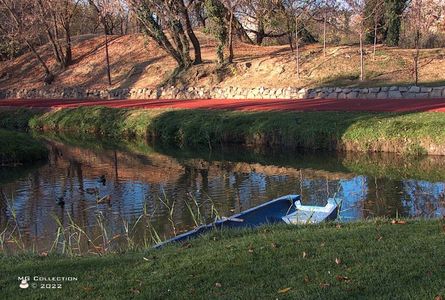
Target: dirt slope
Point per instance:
(137, 62)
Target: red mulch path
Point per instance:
(393, 105)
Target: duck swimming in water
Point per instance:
(60, 201)
(92, 191)
(102, 180)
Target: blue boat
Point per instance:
(306, 214)
(287, 209)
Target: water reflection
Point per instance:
(144, 179)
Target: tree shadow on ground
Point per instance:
(352, 80)
(137, 71)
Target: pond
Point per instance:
(157, 192)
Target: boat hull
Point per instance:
(267, 213)
(279, 210)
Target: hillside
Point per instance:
(138, 62)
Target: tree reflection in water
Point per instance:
(225, 181)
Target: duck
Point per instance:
(60, 201)
(104, 199)
(102, 179)
(92, 191)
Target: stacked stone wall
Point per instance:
(393, 92)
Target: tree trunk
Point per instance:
(260, 34)
(107, 58)
(49, 77)
(190, 33)
(52, 33)
(230, 59)
(297, 48)
(68, 49)
(182, 44)
(238, 28)
(324, 35)
(417, 42)
(289, 35)
(416, 57)
(375, 41)
(177, 44)
(362, 65)
(56, 51)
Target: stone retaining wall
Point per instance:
(394, 92)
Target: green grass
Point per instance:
(378, 260)
(16, 147)
(408, 133)
(17, 119)
(413, 133)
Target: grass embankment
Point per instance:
(412, 133)
(18, 148)
(366, 260)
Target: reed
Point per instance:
(72, 239)
(170, 205)
(11, 233)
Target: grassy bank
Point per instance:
(365, 260)
(16, 147)
(414, 133)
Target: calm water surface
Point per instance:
(165, 184)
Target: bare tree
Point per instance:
(358, 9)
(378, 13)
(21, 16)
(164, 21)
(417, 9)
(231, 6)
(328, 8)
(56, 16)
(105, 9)
(298, 9)
(184, 12)
(265, 15)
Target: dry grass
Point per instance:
(138, 62)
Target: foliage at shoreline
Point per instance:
(405, 133)
(368, 259)
(408, 133)
(18, 148)
(17, 119)
(389, 165)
